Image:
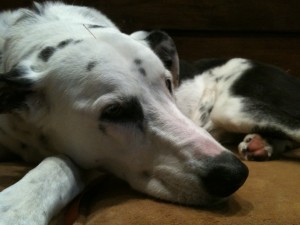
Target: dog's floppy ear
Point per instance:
(15, 87)
(163, 45)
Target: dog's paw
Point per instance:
(255, 148)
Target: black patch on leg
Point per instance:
(91, 65)
(269, 95)
(64, 43)
(46, 53)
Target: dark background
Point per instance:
(266, 30)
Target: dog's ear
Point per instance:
(163, 45)
(15, 87)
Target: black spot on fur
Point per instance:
(91, 65)
(91, 26)
(46, 53)
(129, 111)
(142, 71)
(138, 62)
(77, 41)
(64, 43)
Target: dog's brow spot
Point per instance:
(46, 53)
(64, 43)
(95, 26)
(142, 71)
(138, 61)
(91, 65)
(77, 41)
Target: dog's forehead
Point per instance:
(105, 64)
(115, 54)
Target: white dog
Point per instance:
(75, 93)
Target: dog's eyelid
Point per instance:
(128, 110)
(112, 108)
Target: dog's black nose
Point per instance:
(226, 174)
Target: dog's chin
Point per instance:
(185, 192)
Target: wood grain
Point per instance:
(221, 15)
(266, 30)
(280, 50)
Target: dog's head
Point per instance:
(108, 102)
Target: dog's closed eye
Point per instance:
(112, 112)
(127, 111)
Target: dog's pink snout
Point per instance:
(226, 174)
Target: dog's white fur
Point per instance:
(72, 76)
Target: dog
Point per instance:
(231, 98)
(77, 94)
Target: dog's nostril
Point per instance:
(226, 175)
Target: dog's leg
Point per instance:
(228, 115)
(256, 147)
(41, 193)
